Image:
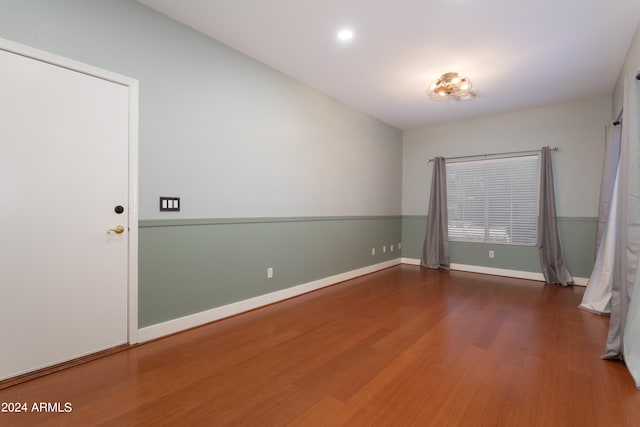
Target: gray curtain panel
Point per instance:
(435, 252)
(631, 336)
(627, 231)
(551, 259)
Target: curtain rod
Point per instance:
(617, 122)
(494, 154)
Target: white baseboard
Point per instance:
(529, 275)
(580, 281)
(176, 325)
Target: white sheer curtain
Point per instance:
(597, 296)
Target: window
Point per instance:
(494, 200)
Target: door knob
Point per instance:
(118, 229)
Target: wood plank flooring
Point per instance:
(405, 346)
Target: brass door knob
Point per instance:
(118, 229)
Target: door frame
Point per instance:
(132, 235)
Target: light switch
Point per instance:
(169, 204)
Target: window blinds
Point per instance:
(494, 200)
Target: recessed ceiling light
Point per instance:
(345, 35)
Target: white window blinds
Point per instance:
(494, 200)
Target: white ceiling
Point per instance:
(518, 53)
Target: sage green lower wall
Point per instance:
(577, 235)
(193, 265)
(189, 266)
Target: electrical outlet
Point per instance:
(270, 273)
(384, 249)
(391, 247)
(373, 251)
(399, 246)
(492, 254)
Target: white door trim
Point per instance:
(132, 85)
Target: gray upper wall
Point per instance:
(577, 128)
(230, 136)
(630, 68)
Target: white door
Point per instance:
(63, 174)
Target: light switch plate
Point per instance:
(169, 204)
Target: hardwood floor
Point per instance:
(405, 346)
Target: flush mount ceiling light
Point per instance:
(345, 35)
(452, 86)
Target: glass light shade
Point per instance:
(451, 86)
